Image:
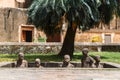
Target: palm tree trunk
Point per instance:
(68, 44)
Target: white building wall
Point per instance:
(7, 3)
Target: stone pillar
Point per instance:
(99, 48)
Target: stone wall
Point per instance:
(11, 48)
(88, 35)
(85, 37)
(10, 20)
(117, 37)
(14, 47)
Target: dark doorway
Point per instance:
(27, 3)
(107, 38)
(23, 4)
(26, 33)
(27, 36)
(54, 38)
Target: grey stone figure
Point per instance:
(86, 60)
(66, 62)
(97, 62)
(38, 63)
(21, 62)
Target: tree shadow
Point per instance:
(44, 58)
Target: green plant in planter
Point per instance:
(96, 39)
(41, 39)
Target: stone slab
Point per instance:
(58, 74)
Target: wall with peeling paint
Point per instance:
(10, 20)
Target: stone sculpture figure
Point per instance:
(21, 62)
(66, 62)
(97, 62)
(38, 63)
(86, 60)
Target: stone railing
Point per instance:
(15, 47)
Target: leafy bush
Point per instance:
(96, 39)
(40, 39)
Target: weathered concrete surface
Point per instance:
(58, 74)
(10, 20)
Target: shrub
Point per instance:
(96, 39)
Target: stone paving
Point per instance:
(58, 74)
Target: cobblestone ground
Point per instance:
(58, 74)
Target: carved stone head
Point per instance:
(37, 62)
(66, 58)
(21, 56)
(85, 51)
(97, 58)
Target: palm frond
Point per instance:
(85, 13)
(107, 9)
(118, 8)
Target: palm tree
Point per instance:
(82, 14)
(108, 9)
(117, 12)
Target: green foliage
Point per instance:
(83, 12)
(40, 39)
(118, 8)
(44, 57)
(46, 14)
(107, 9)
(30, 57)
(8, 57)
